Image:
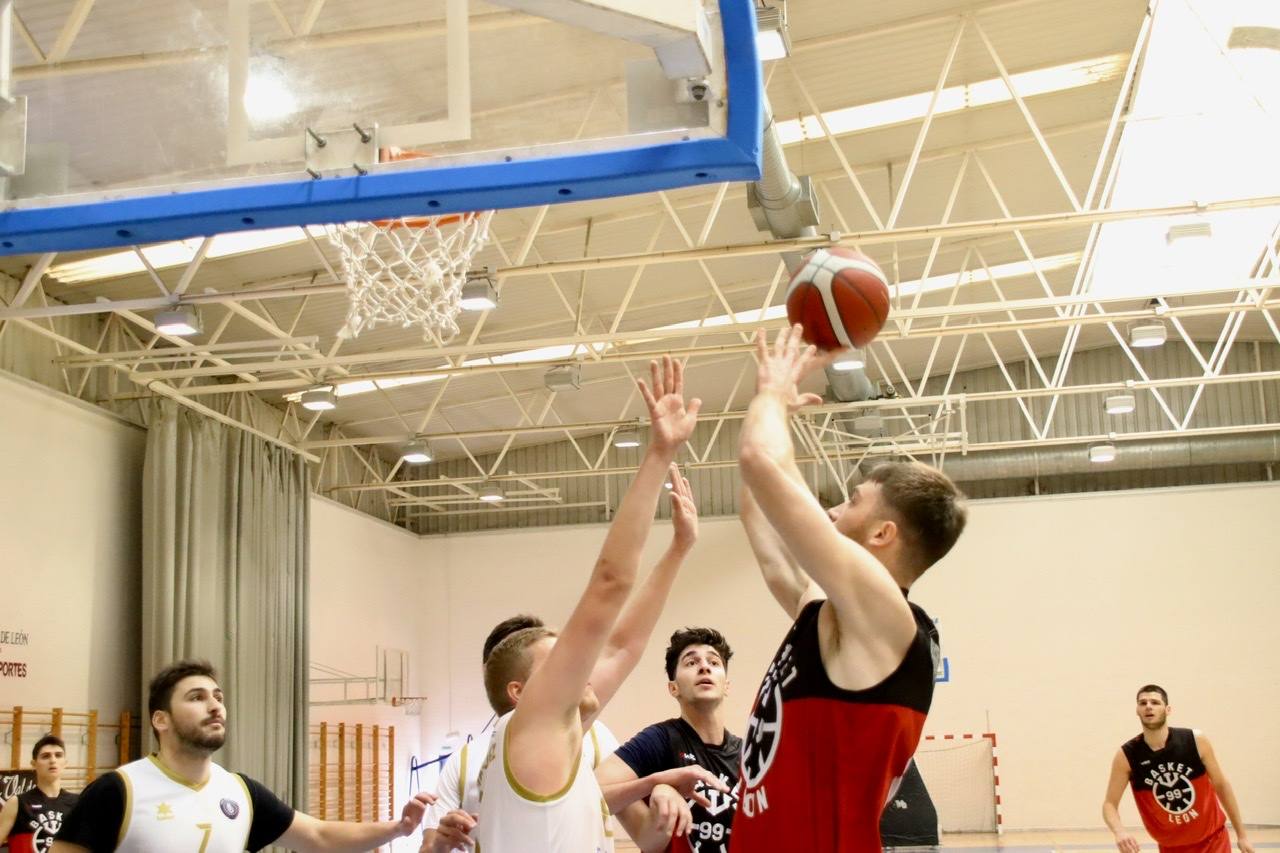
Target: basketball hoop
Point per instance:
(408, 271)
(412, 704)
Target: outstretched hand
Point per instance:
(671, 422)
(691, 781)
(684, 511)
(413, 812)
(786, 363)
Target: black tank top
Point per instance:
(819, 762)
(39, 819)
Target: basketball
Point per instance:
(840, 298)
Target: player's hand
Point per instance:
(454, 832)
(782, 366)
(671, 422)
(684, 511)
(670, 812)
(413, 812)
(1126, 843)
(1245, 845)
(685, 781)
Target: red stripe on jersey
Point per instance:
(1180, 811)
(832, 772)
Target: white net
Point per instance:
(408, 272)
(961, 781)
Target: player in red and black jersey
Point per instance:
(841, 709)
(1177, 783)
(32, 819)
(697, 661)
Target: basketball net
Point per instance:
(409, 271)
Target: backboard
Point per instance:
(163, 119)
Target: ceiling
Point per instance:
(618, 269)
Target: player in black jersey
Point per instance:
(842, 707)
(697, 662)
(32, 819)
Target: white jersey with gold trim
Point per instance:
(162, 812)
(515, 820)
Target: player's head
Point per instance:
(49, 759)
(514, 661)
(698, 667)
(186, 707)
(907, 514)
(505, 629)
(1153, 706)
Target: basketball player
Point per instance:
(537, 795)
(32, 819)
(697, 662)
(1177, 784)
(179, 800)
(841, 708)
(454, 813)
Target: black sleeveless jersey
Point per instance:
(1175, 797)
(820, 762)
(39, 819)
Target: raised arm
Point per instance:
(788, 583)
(868, 604)
(1226, 793)
(547, 716)
(1125, 842)
(630, 636)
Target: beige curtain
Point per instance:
(225, 535)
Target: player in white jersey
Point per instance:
(179, 801)
(537, 794)
(450, 817)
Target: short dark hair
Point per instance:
(47, 740)
(160, 690)
(1152, 688)
(930, 506)
(505, 629)
(510, 662)
(686, 637)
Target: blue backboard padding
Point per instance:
(174, 216)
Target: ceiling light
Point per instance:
(869, 426)
(1104, 452)
(852, 360)
(626, 438)
(1148, 333)
(180, 320)
(1197, 230)
(318, 399)
(492, 493)
(1120, 404)
(563, 377)
(772, 38)
(416, 451)
(478, 293)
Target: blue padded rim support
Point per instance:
(150, 219)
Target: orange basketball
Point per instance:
(840, 298)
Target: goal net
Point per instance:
(960, 773)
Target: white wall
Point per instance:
(70, 476)
(1052, 611)
(371, 586)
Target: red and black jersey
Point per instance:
(1175, 796)
(820, 762)
(39, 819)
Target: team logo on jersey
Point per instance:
(164, 811)
(230, 808)
(764, 726)
(1171, 787)
(43, 830)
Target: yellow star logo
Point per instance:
(164, 811)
